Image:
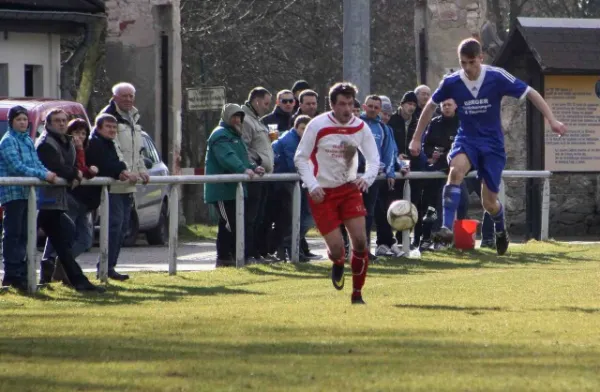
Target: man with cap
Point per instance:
(18, 158)
(226, 153)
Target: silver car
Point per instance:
(150, 214)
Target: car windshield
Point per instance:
(3, 127)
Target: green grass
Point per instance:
(448, 322)
(197, 232)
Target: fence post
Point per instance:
(173, 227)
(103, 268)
(406, 233)
(502, 193)
(295, 245)
(31, 241)
(544, 232)
(239, 226)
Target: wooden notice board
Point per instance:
(575, 100)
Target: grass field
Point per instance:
(448, 322)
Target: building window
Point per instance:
(3, 80)
(34, 81)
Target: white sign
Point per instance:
(206, 98)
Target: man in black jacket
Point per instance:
(57, 153)
(282, 114)
(436, 145)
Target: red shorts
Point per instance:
(340, 204)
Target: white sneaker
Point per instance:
(384, 250)
(397, 250)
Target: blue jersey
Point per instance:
(479, 103)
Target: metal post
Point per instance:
(173, 227)
(357, 45)
(104, 203)
(295, 250)
(239, 226)
(545, 210)
(502, 193)
(406, 233)
(32, 264)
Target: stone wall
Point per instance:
(446, 24)
(133, 54)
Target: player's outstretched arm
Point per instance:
(368, 147)
(424, 120)
(540, 103)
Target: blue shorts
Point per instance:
(488, 161)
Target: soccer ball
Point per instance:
(402, 215)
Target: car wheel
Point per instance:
(160, 234)
(134, 230)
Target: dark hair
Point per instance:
(373, 97)
(356, 103)
(258, 92)
(344, 88)
(105, 117)
(301, 119)
(307, 93)
(54, 112)
(469, 48)
(75, 125)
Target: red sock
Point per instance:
(340, 261)
(360, 264)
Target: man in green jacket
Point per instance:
(226, 153)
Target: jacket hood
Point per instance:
(229, 110)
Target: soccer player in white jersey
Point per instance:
(479, 145)
(327, 161)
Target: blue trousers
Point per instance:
(14, 240)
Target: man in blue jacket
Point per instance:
(284, 150)
(385, 145)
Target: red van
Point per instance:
(37, 109)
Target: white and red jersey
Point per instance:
(322, 157)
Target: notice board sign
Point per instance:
(575, 101)
(206, 98)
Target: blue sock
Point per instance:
(450, 202)
(499, 219)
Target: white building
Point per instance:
(30, 35)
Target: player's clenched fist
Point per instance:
(414, 147)
(558, 127)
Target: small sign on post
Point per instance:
(205, 98)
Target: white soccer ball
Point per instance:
(402, 215)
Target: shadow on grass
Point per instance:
(474, 310)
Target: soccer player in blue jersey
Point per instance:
(479, 145)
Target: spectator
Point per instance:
(17, 159)
(403, 125)
(129, 144)
(227, 154)
(436, 145)
(386, 150)
(79, 130)
(308, 105)
(386, 109)
(297, 88)
(423, 94)
(281, 115)
(284, 150)
(57, 153)
(255, 136)
(356, 109)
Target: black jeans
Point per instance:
(60, 231)
(14, 241)
(254, 211)
(226, 235)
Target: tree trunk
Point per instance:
(88, 74)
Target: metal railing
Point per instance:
(175, 181)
